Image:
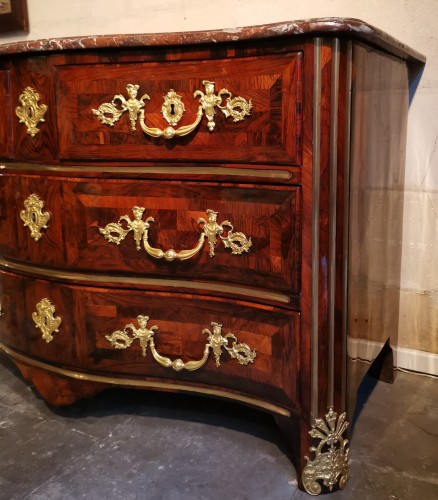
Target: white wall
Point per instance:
(414, 22)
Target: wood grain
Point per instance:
(269, 215)
(270, 133)
(37, 74)
(5, 116)
(261, 174)
(89, 314)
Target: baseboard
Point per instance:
(417, 361)
(404, 358)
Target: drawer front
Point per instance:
(83, 227)
(271, 133)
(21, 300)
(33, 98)
(106, 330)
(5, 117)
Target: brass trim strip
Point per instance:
(132, 382)
(334, 101)
(72, 276)
(315, 223)
(348, 104)
(232, 172)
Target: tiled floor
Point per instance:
(125, 444)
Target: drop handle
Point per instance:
(216, 341)
(116, 232)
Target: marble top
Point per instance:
(342, 27)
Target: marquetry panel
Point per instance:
(19, 297)
(17, 241)
(269, 215)
(43, 146)
(180, 322)
(90, 314)
(270, 134)
(5, 116)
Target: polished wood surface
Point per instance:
(5, 116)
(377, 203)
(37, 74)
(269, 134)
(281, 177)
(89, 314)
(272, 79)
(269, 215)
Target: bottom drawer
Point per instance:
(210, 342)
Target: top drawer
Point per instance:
(5, 119)
(269, 134)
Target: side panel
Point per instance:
(380, 105)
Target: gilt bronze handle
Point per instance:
(172, 109)
(122, 339)
(116, 232)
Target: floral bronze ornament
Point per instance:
(330, 464)
(30, 112)
(122, 339)
(116, 232)
(45, 320)
(33, 217)
(236, 107)
(108, 113)
(173, 108)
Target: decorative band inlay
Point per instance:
(146, 384)
(274, 173)
(107, 280)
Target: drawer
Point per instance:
(83, 232)
(270, 133)
(19, 298)
(254, 349)
(5, 118)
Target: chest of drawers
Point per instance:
(175, 215)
